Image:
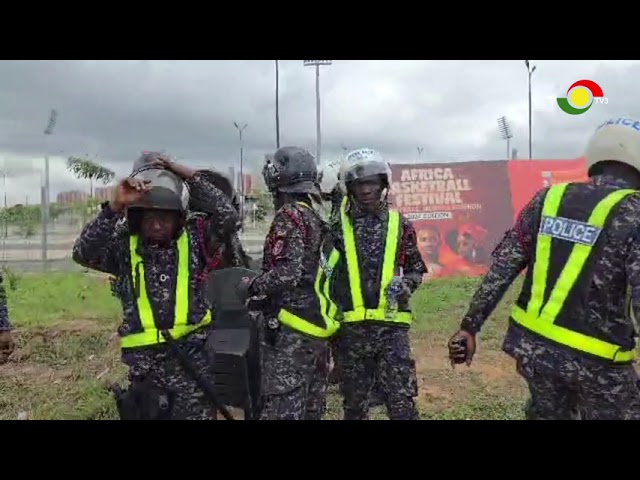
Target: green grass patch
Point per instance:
(67, 354)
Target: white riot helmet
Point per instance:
(616, 140)
(363, 163)
(329, 176)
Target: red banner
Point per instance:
(459, 210)
(527, 177)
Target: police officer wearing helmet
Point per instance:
(330, 186)
(570, 334)
(379, 267)
(299, 318)
(155, 257)
(222, 252)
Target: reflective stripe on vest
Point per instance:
(181, 327)
(540, 318)
(359, 312)
(328, 308)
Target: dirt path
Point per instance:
(441, 387)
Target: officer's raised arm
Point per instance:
(224, 219)
(100, 244)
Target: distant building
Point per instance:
(73, 196)
(101, 194)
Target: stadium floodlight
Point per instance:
(505, 133)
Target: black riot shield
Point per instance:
(233, 345)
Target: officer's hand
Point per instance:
(163, 161)
(7, 345)
(129, 190)
(462, 348)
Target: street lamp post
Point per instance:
(317, 64)
(505, 132)
(53, 117)
(530, 71)
(240, 130)
(420, 150)
(277, 106)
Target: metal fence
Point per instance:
(23, 247)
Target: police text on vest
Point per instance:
(570, 230)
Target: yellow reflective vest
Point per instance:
(318, 319)
(150, 335)
(358, 311)
(555, 286)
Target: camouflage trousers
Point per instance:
(376, 399)
(295, 376)
(573, 391)
(159, 367)
(369, 351)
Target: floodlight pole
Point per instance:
(530, 71)
(317, 64)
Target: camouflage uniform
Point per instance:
(336, 200)
(103, 247)
(226, 252)
(5, 324)
(560, 380)
(369, 349)
(221, 252)
(295, 366)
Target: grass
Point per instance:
(67, 352)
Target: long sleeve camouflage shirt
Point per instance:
(619, 266)
(223, 252)
(103, 245)
(291, 256)
(5, 324)
(370, 237)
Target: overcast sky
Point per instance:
(113, 110)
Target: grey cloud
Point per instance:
(115, 109)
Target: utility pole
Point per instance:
(277, 106)
(317, 64)
(530, 71)
(240, 130)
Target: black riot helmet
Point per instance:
(291, 170)
(167, 191)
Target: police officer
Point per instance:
(569, 332)
(299, 317)
(379, 268)
(156, 261)
(330, 187)
(7, 344)
(220, 252)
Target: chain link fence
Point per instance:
(25, 245)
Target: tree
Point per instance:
(91, 170)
